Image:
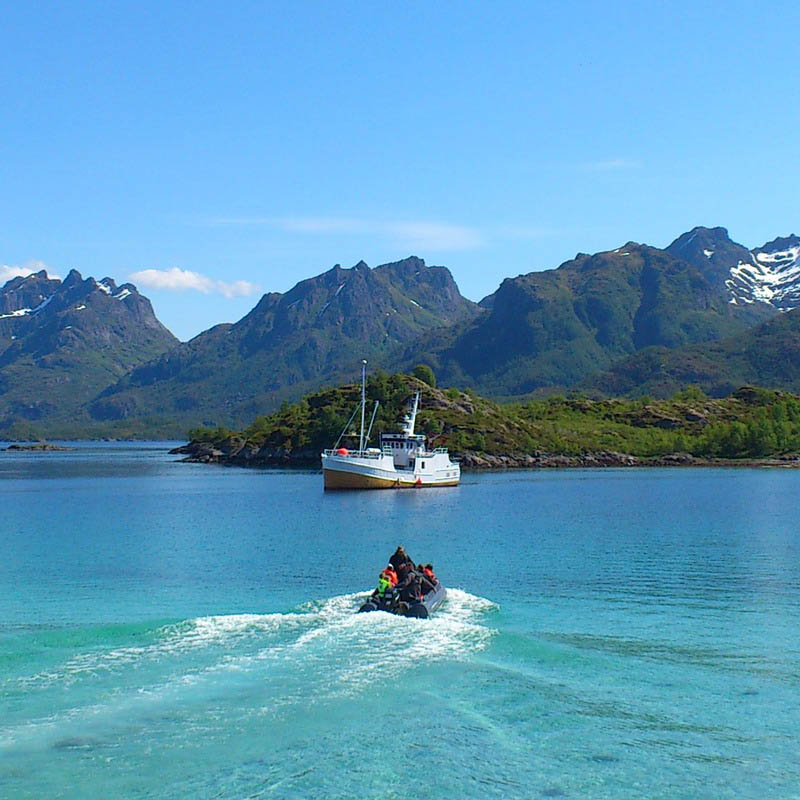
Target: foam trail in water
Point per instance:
(322, 651)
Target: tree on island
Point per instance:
(425, 374)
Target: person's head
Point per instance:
(429, 566)
(389, 567)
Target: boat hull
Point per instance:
(422, 609)
(348, 472)
(341, 479)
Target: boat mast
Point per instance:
(411, 416)
(363, 403)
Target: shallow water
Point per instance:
(174, 630)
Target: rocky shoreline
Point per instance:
(237, 452)
(41, 447)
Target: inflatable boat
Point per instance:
(419, 609)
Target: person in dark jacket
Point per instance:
(399, 557)
(402, 571)
(410, 587)
(426, 584)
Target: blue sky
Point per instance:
(216, 151)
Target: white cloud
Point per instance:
(7, 272)
(413, 235)
(608, 164)
(184, 280)
(436, 236)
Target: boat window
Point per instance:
(423, 465)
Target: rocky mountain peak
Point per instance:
(722, 261)
(74, 278)
(36, 306)
(409, 266)
(21, 295)
(718, 235)
(61, 342)
(711, 250)
(779, 244)
(15, 283)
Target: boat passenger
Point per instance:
(411, 587)
(390, 574)
(384, 586)
(402, 571)
(399, 557)
(428, 570)
(426, 584)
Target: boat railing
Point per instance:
(372, 453)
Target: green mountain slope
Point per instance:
(89, 358)
(555, 328)
(290, 343)
(767, 355)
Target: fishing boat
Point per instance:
(402, 461)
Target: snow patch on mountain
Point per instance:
(769, 276)
(782, 259)
(20, 312)
(25, 312)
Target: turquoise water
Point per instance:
(173, 630)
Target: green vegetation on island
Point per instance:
(751, 423)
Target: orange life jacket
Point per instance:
(391, 575)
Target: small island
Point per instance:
(750, 427)
(39, 447)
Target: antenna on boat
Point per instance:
(344, 430)
(363, 402)
(371, 422)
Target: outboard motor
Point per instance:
(377, 603)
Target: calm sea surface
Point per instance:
(172, 630)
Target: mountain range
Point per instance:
(86, 357)
(289, 344)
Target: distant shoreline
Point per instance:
(207, 453)
(39, 447)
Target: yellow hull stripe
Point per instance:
(336, 479)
